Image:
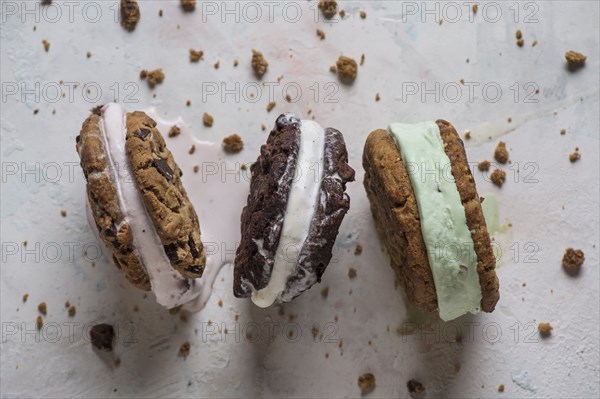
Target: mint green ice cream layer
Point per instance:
(450, 248)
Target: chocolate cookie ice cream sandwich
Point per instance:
(428, 213)
(138, 205)
(295, 207)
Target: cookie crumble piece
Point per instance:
(174, 131)
(207, 119)
(415, 386)
(271, 105)
(498, 177)
(366, 383)
(259, 64)
(196, 55)
(484, 166)
(575, 60)
(573, 259)
(501, 153)
(321, 34)
(130, 14)
(42, 308)
(545, 329)
(233, 143)
(351, 273)
(46, 44)
(575, 156)
(184, 350)
(102, 337)
(347, 69)
(39, 322)
(363, 14)
(154, 77)
(358, 249)
(188, 5)
(328, 8)
(72, 311)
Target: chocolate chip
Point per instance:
(102, 336)
(193, 248)
(142, 133)
(171, 251)
(163, 167)
(194, 269)
(111, 231)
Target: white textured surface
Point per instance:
(550, 202)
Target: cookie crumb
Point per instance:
(188, 5)
(39, 322)
(72, 310)
(545, 329)
(63, 213)
(342, 13)
(259, 64)
(196, 55)
(233, 144)
(377, 97)
(130, 14)
(184, 350)
(498, 177)
(288, 98)
(196, 168)
(501, 153)
(36, 111)
(333, 69)
(328, 8)
(321, 34)
(217, 64)
(88, 54)
(534, 43)
(235, 63)
(102, 337)
(501, 388)
(574, 156)
(325, 292)
(188, 103)
(366, 383)
(474, 8)
(575, 60)
(25, 297)
(573, 259)
(263, 127)
(46, 44)
(347, 69)
(362, 59)
(351, 273)
(42, 308)
(358, 249)
(160, 12)
(484, 166)
(363, 14)
(192, 150)
(220, 303)
(174, 131)
(518, 34)
(207, 119)
(154, 77)
(563, 132)
(468, 135)
(415, 386)
(271, 105)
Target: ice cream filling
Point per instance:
(171, 289)
(300, 208)
(450, 248)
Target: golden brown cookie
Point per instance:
(396, 214)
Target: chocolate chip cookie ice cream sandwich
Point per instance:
(138, 205)
(428, 213)
(295, 207)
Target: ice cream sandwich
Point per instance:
(138, 205)
(428, 213)
(296, 204)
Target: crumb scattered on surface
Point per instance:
(575, 60)
(468, 135)
(534, 43)
(46, 44)
(366, 383)
(324, 292)
(484, 166)
(415, 386)
(498, 177)
(328, 8)
(25, 297)
(196, 55)
(36, 111)
(263, 127)
(42, 308)
(188, 103)
(130, 14)
(72, 311)
(575, 156)
(88, 54)
(288, 98)
(351, 272)
(63, 213)
(501, 388)
(259, 64)
(545, 329)
(474, 8)
(563, 132)
(184, 350)
(321, 34)
(342, 13)
(154, 77)
(377, 97)
(188, 5)
(192, 149)
(363, 14)
(362, 59)
(501, 153)
(233, 143)
(102, 336)
(573, 259)
(333, 69)
(160, 12)
(39, 322)
(271, 105)
(509, 119)
(174, 131)
(217, 64)
(346, 69)
(220, 303)
(196, 168)
(207, 119)
(518, 34)
(358, 249)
